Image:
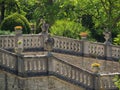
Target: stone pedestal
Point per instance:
(18, 40)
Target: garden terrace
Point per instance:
(70, 60)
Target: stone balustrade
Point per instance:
(7, 41)
(68, 44)
(115, 52)
(32, 41)
(64, 45)
(97, 49)
(8, 60)
(106, 81)
(36, 65)
(72, 73)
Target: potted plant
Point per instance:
(95, 67)
(19, 47)
(18, 29)
(19, 42)
(83, 35)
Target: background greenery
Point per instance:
(93, 15)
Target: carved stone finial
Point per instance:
(107, 35)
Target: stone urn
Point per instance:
(49, 44)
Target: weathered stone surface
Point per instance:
(34, 83)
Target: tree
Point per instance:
(105, 14)
(8, 6)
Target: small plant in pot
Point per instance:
(95, 67)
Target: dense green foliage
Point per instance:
(15, 20)
(67, 28)
(94, 15)
(8, 7)
(117, 40)
(117, 81)
(5, 32)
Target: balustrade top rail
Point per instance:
(65, 45)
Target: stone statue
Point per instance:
(44, 27)
(107, 35)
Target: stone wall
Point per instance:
(12, 82)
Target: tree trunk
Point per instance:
(2, 10)
(50, 2)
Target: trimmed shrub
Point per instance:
(15, 20)
(6, 33)
(66, 28)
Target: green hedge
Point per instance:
(15, 20)
(6, 33)
(67, 28)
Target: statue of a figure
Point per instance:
(107, 36)
(44, 26)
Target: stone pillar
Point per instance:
(18, 40)
(108, 51)
(20, 65)
(85, 43)
(108, 47)
(51, 64)
(86, 48)
(96, 81)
